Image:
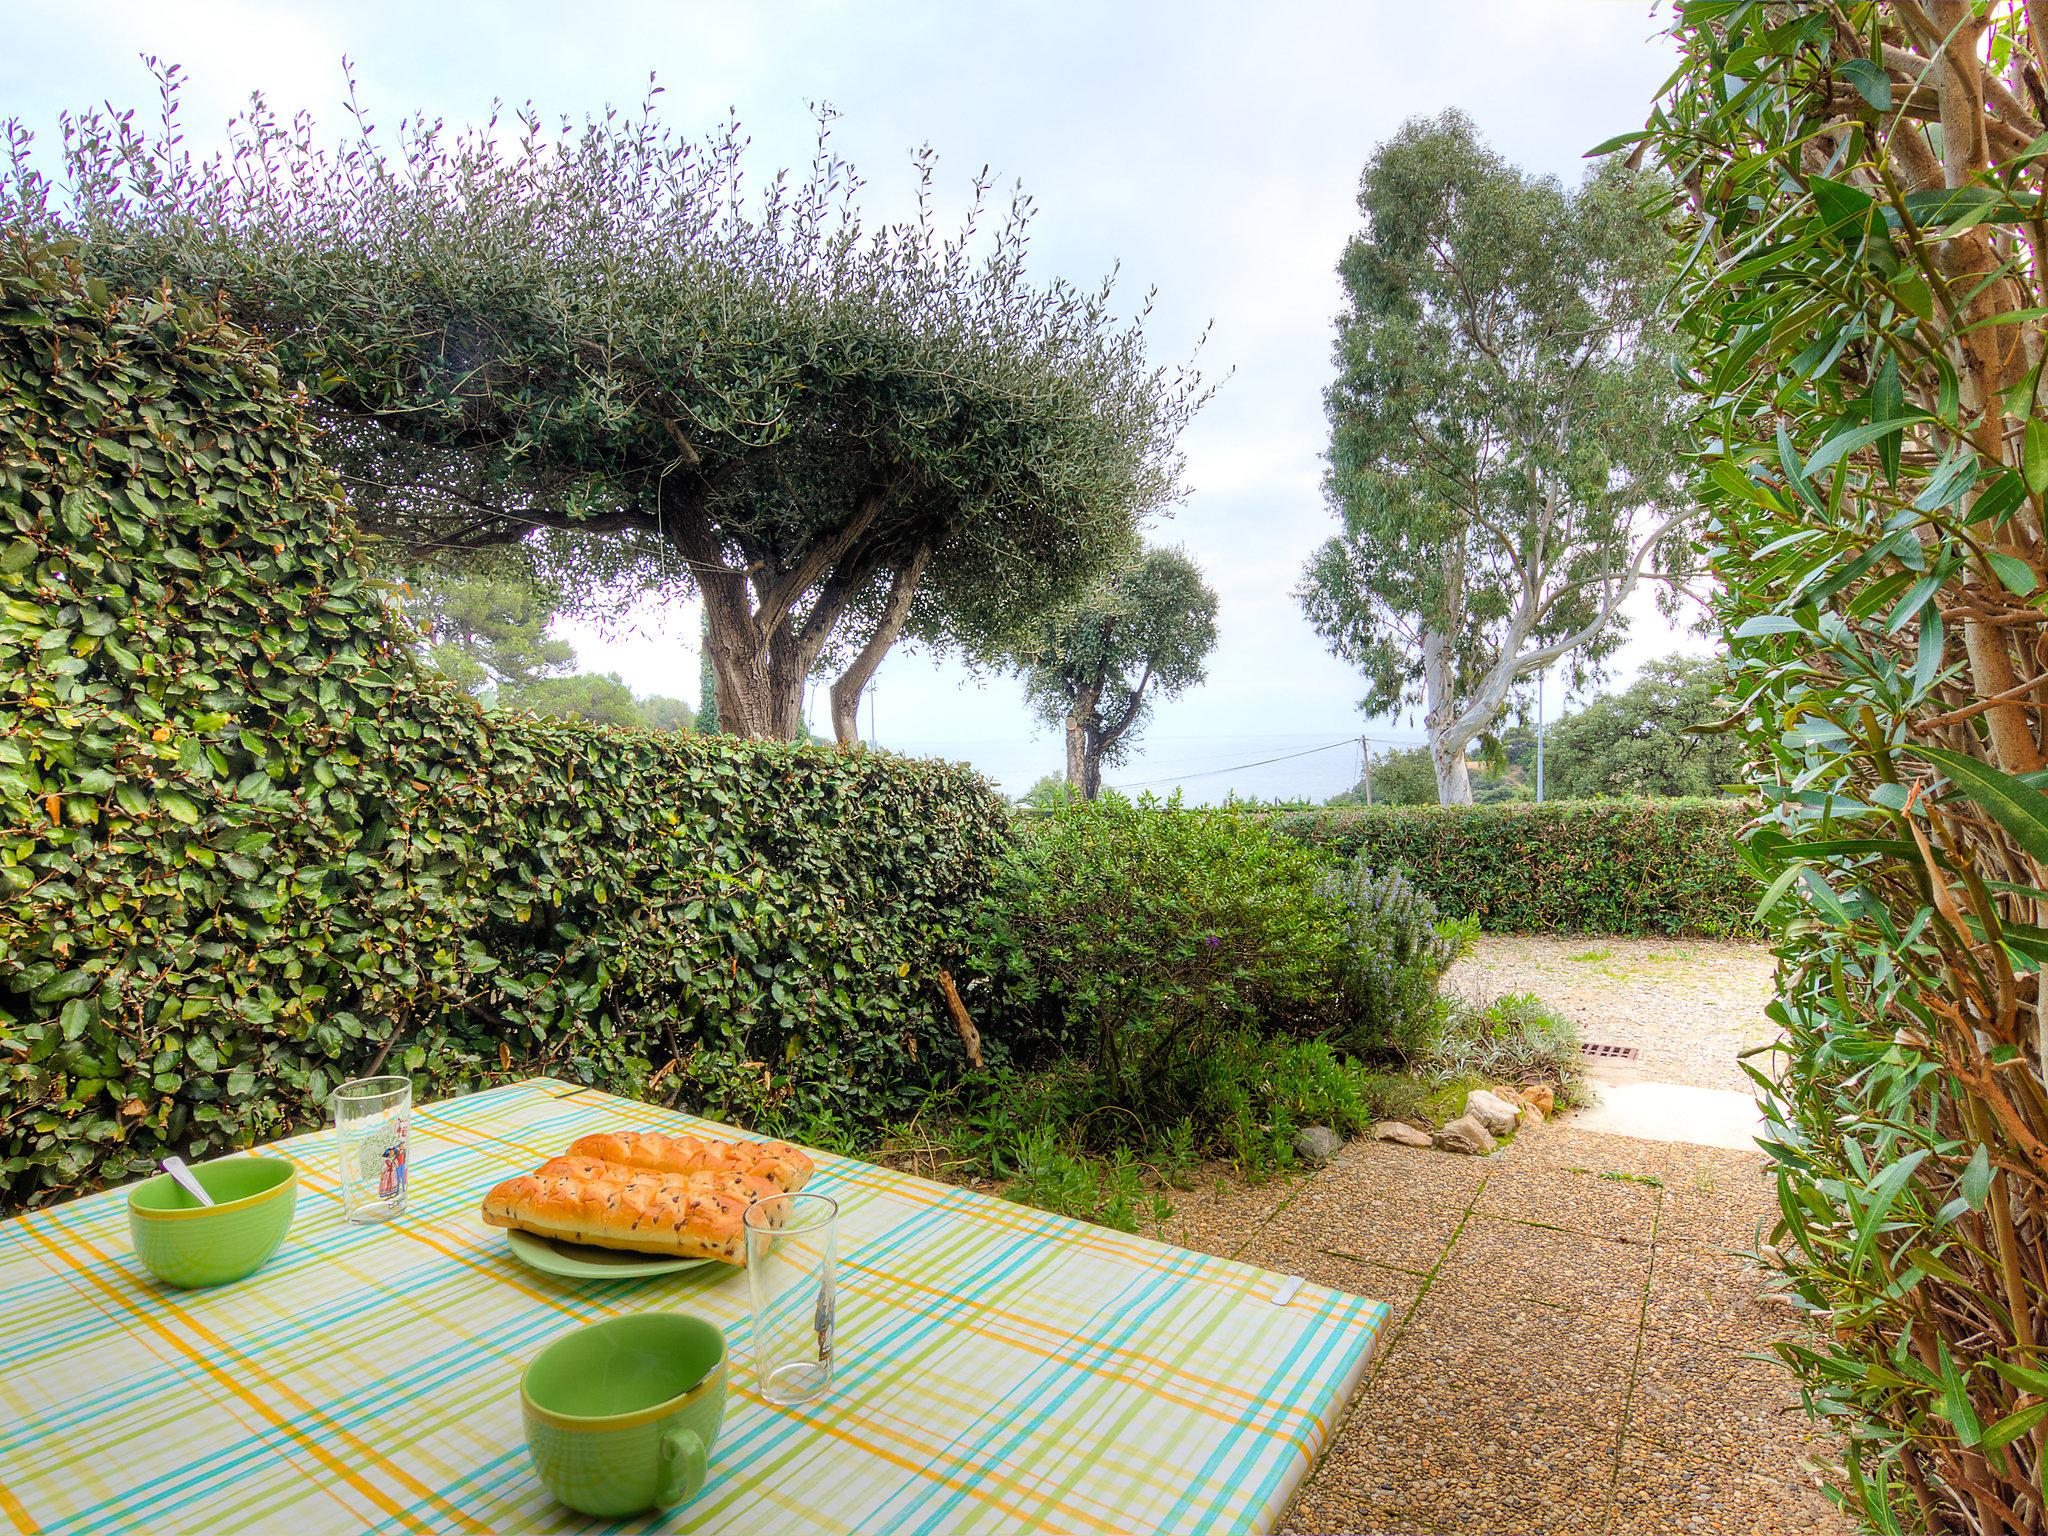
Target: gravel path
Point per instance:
(1689, 1005)
(1577, 1344)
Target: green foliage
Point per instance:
(659, 712)
(1055, 1138)
(1866, 307)
(756, 396)
(1642, 742)
(1041, 1171)
(1503, 429)
(1094, 669)
(1513, 1039)
(486, 622)
(1395, 953)
(600, 698)
(1621, 867)
(1046, 791)
(1134, 933)
(250, 847)
(1179, 983)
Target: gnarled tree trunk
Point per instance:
(860, 672)
(1084, 755)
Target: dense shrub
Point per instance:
(247, 849)
(1134, 934)
(1180, 983)
(1054, 1138)
(1394, 954)
(1620, 867)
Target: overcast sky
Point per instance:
(1212, 148)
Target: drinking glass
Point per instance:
(371, 1118)
(792, 1248)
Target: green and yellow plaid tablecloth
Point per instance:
(998, 1369)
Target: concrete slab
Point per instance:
(1701, 1117)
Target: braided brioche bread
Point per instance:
(781, 1164)
(585, 1200)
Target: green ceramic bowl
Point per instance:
(620, 1415)
(185, 1243)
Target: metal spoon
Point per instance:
(175, 1167)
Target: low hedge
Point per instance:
(1582, 866)
(248, 848)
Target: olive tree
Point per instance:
(1503, 432)
(1862, 190)
(834, 434)
(1095, 669)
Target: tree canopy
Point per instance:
(485, 625)
(1645, 740)
(833, 433)
(1503, 431)
(1096, 669)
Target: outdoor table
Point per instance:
(998, 1368)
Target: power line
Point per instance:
(1182, 778)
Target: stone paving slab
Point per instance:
(1578, 1345)
(1600, 1278)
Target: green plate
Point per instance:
(578, 1261)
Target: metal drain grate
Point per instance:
(1606, 1052)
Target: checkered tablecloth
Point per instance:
(998, 1369)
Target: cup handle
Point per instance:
(682, 1467)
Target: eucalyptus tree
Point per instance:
(811, 423)
(1503, 432)
(1862, 190)
(1095, 669)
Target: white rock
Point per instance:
(1317, 1144)
(1465, 1135)
(1403, 1132)
(1491, 1111)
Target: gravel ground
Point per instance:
(1577, 1344)
(1689, 1005)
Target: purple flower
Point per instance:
(1212, 941)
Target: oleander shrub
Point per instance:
(1587, 866)
(1862, 189)
(249, 849)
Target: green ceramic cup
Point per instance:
(185, 1243)
(620, 1415)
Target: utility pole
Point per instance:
(1365, 753)
(1539, 736)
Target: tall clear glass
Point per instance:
(792, 1250)
(372, 1116)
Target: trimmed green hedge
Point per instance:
(1584, 866)
(249, 849)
